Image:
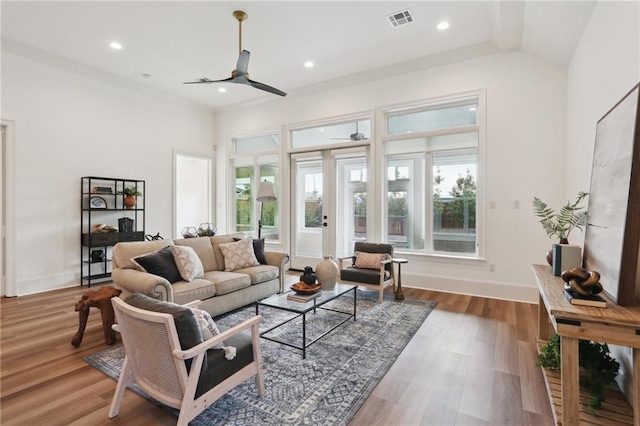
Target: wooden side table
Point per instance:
(619, 325)
(100, 299)
(399, 261)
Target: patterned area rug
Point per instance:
(326, 388)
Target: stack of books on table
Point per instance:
(296, 297)
(594, 300)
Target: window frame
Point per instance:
(386, 137)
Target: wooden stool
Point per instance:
(100, 299)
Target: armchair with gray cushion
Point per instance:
(365, 270)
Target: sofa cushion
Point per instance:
(222, 239)
(368, 276)
(258, 249)
(124, 252)
(188, 262)
(204, 250)
(261, 273)
(238, 255)
(228, 282)
(159, 263)
(198, 289)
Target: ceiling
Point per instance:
(174, 42)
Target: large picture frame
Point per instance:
(612, 234)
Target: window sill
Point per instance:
(443, 258)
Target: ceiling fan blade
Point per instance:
(265, 87)
(207, 81)
(243, 62)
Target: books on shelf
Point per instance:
(302, 297)
(594, 300)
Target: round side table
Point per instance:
(399, 261)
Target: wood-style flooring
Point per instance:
(471, 363)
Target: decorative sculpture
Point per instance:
(582, 281)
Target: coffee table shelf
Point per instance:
(280, 301)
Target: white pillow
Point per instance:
(210, 329)
(238, 255)
(188, 262)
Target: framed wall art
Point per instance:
(612, 235)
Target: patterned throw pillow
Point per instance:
(210, 330)
(238, 255)
(370, 260)
(188, 262)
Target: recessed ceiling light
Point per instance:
(443, 25)
(222, 89)
(309, 64)
(115, 45)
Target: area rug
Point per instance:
(330, 385)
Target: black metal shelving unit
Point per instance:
(102, 203)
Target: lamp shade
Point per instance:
(266, 192)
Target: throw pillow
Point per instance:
(238, 255)
(370, 260)
(258, 249)
(159, 263)
(210, 330)
(188, 262)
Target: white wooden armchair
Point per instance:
(375, 277)
(174, 376)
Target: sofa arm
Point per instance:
(279, 259)
(133, 281)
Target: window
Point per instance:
(249, 170)
(331, 134)
(431, 154)
(192, 180)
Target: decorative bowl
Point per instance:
(304, 288)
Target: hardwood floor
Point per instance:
(471, 363)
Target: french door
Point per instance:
(328, 204)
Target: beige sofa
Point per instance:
(219, 290)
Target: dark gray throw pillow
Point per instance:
(258, 249)
(187, 326)
(161, 263)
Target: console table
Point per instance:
(615, 324)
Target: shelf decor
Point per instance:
(97, 203)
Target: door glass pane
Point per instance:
(244, 199)
(454, 201)
(351, 203)
(270, 225)
(308, 207)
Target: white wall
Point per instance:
(526, 98)
(67, 126)
(605, 66)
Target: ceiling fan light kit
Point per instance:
(240, 75)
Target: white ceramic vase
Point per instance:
(327, 273)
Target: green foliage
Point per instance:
(561, 224)
(131, 190)
(599, 368)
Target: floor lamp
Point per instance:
(266, 193)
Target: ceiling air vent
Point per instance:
(401, 18)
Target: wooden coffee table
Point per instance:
(280, 301)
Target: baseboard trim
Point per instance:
(516, 292)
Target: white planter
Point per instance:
(327, 273)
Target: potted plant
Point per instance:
(560, 224)
(598, 368)
(130, 192)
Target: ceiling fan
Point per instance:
(240, 75)
(357, 136)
